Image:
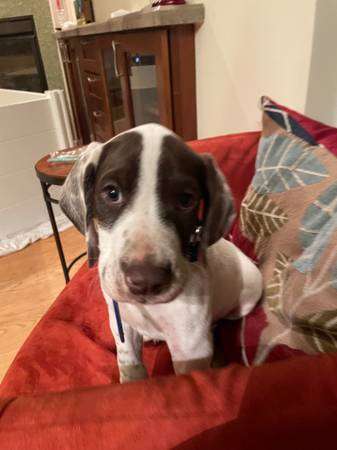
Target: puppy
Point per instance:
(138, 199)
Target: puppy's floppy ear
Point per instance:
(220, 212)
(77, 193)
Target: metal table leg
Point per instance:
(48, 200)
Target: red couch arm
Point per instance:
(289, 404)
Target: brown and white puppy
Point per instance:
(136, 199)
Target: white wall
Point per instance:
(321, 102)
(247, 48)
(103, 8)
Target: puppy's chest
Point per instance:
(152, 324)
(165, 321)
(192, 308)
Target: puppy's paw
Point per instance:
(129, 373)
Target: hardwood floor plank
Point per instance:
(30, 281)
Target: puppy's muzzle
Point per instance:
(146, 278)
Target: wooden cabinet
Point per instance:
(120, 80)
(91, 56)
(70, 57)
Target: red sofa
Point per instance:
(62, 391)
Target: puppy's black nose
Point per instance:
(145, 278)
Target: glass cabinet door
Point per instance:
(118, 91)
(144, 88)
(137, 76)
(114, 89)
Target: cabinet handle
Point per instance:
(92, 79)
(97, 113)
(114, 49)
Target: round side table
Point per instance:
(54, 174)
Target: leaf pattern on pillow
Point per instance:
(275, 289)
(318, 224)
(260, 217)
(284, 163)
(312, 254)
(317, 215)
(320, 330)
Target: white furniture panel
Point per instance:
(31, 125)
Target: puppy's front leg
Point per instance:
(192, 351)
(129, 353)
(129, 356)
(189, 335)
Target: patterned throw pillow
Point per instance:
(290, 215)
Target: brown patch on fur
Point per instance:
(220, 211)
(181, 170)
(118, 166)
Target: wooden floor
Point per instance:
(30, 280)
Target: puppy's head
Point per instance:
(136, 198)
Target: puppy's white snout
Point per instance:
(147, 278)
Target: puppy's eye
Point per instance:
(186, 201)
(114, 194)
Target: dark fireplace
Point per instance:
(21, 64)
